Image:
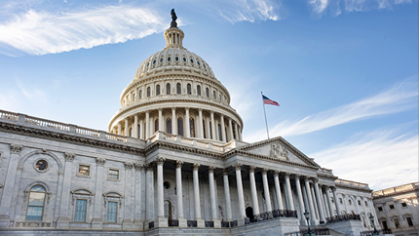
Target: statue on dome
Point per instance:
(174, 17)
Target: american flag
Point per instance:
(268, 101)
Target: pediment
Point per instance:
(279, 148)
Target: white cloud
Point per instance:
(41, 33)
(320, 6)
(380, 158)
(249, 10)
(399, 98)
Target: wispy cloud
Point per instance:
(249, 10)
(320, 6)
(39, 33)
(380, 158)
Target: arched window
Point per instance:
(219, 133)
(158, 90)
(192, 127)
(178, 88)
(207, 92)
(140, 94)
(36, 203)
(189, 88)
(215, 94)
(156, 125)
(148, 92)
(167, 88)
(168, 125)
(180, 126)
(205, 132)
(198, 90)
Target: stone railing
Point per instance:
(343, 218)
(324, 171)
(395, 190)
(211, 145)
(58, 126)
(351, 184)
(313, 232)
(376, 232)
(270, 215)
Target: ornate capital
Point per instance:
(276, 173)
(138, 166)
(252, 168)
(315, 180)
(265, 170)
(69, 156)
(286, 174)
(179, 164)
(15, 148)
(238, 166)
(160, 161)
(211, 168)
(100, 161)
(225, 171)
(195, 166)
(128, 165)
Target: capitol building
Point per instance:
(173, 162)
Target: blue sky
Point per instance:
(344, 71)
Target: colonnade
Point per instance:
(203, 124)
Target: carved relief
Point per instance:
(15, 149)
(128, 165)
(100, 161)
(69, 156)
(138, 166)
(278, 151)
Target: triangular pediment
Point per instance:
(279, 148)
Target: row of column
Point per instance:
(208, 127)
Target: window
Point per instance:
(84, 170)
(112, 212)
(156, 125)
(157, 90)
(219, 134)
(191, 60)
(166, 185)
(167, 88)
(148, 92)
(189, 89)
(404, 204)
(396, 223)
(391, 207)
(198, 90)
(340, 200)
(41, 165)
(180, 126)
(36, 203)
(113, 174)
(192, 127)
(177, 58)
(80, 215)
(366, 203)
(214, 94)
(184, 59)
(178, 88)
(207, 92)
(359, 202)
(234, 136)
(409, 221)
(204, 129)
(210, 129)
(168, 125)
(140, 94)
(380, 209)
(350, 202)
(168, 59)
(384, 223)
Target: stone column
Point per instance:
(303, 221)
(149, 195)
(187, 125)
(199, 124)
(207, 128)
(329, 201)
(278, 191)
(324, 203)
(253, 191)
(63, 221)
(179, 190)
(214, 137)
(135, 128)
(236, 131)
(310, 202)
(230, 129)
(119, 128)
(336, 201)
(127, 223)
(197, 199)
(141, 130)
(288, 193)
(9, 185)
(345, 203)
(227, 195)
(161, 123)
(240, 194)
(97, 213)
(356, 204)
(240, 134)
(266, 190)
(147, 125)
(126, 131)
(138, 223)
(319, 201)
(372, 210)
(161, 221)
(174, 122)
(223, 131)
(217, 223)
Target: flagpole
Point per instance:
(266, 121)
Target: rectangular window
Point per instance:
(409, 221)
(359, 202)
(35, 206)
(113, 174)
(384, 224)
(112, 212)
(84, 170)
(404, 204)
(380, 209)
(331, 198)
(340, 200)
(366, 203)
(396, 223)
(391, 207)
(80, 211)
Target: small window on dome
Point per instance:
(198, 63)
(161, 59)
(204, 65)
(148, 63)
(191, 60)
(184, 59)
(177, 58)
(154, 62)
(168, 59)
